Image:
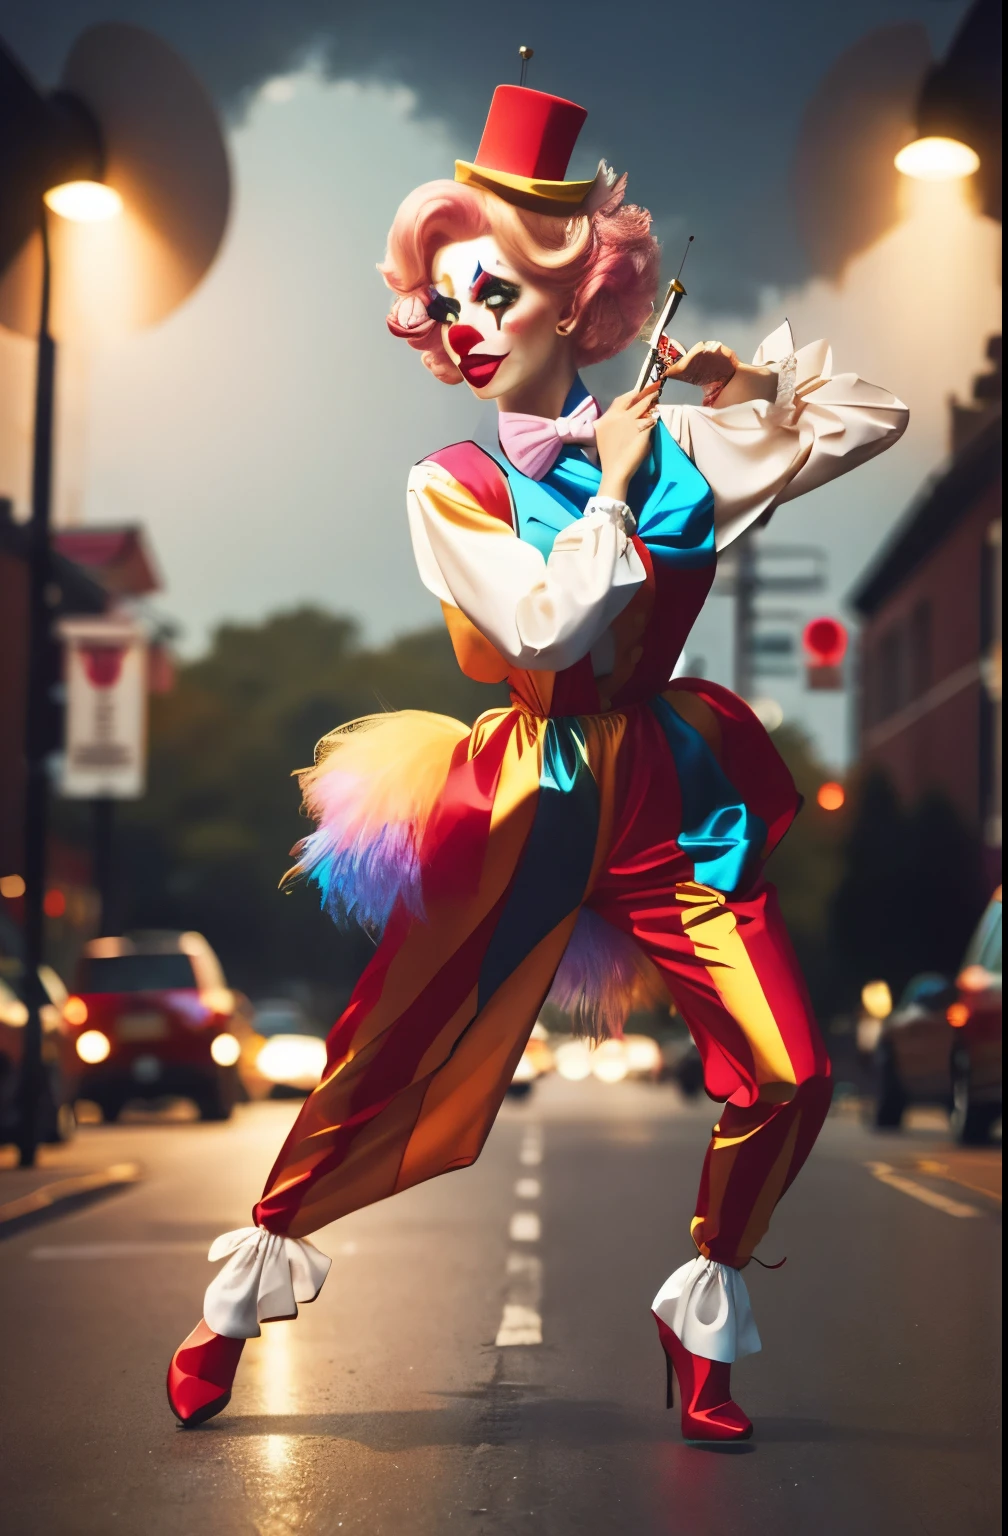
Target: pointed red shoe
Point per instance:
(708, 1412)
(201, 1375)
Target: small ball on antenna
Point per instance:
(526, 53)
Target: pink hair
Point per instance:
(604, 264)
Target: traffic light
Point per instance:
(825, 644)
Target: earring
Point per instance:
(564, 327)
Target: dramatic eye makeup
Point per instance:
(443, 309)
(495, 293)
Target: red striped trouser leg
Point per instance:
(732, 973)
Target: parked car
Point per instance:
(55, 1109)
(151, 1017)
(56, 1117)
(941, 1044)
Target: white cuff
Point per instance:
(263, 1280)
(616, 511)
(707, 1307)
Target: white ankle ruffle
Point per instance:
(263, 1280)
(706, 1305)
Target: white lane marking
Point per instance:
(521, 1322)
(525, 1227)
(888, 1175)
(528, 1189)
(530, 1155)
(135, 1250)
(519, 1325)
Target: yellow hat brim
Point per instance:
(557, 197)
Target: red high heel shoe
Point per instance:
(201, 1375)
(708, 1412)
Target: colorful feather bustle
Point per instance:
(602, 976)
(371, 792)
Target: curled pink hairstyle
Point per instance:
(603, 264)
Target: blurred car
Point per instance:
(292, 1054)
(56, 1117)
(941, 1044)
(151, 1017)
(610, 1061)
(536, 1061)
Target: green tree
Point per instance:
(208, 844)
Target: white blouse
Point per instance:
(546, 613)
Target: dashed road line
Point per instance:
(888, 1175)
(521, 1318)
(525, 1227)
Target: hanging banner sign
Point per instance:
(106, 708)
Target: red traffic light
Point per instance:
(825, 642)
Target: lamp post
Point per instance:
(128, 113)
(85, 200)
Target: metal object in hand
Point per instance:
(654, 364)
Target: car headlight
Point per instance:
(295, 1060)
(93, 1046)
(609, 1061)
(225, 1049)
(573, 1060)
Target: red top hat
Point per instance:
(525, 150)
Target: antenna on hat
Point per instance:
(524, 54)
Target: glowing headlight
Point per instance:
(225, 1050)
(295, 1060)
(93, 1046)
(642, 1053)
(609, 1062)
(573, 1060)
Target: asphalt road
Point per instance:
(388, 1409)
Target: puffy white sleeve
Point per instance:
(759, 453)
(537, 613)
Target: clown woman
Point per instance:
(611, 819)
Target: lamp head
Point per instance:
(935, 158)
(83, 202)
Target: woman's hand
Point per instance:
(716, 370)
(622, 437)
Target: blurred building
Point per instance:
(930, 648)
(95, 570)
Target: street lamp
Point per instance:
(84, 202)
(935, 158)
(129, 132)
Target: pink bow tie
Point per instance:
(533, 443)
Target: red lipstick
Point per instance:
(477, 368)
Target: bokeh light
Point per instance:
(876, 999)
(937, 159)
(84, 202)
(75, 1010)
(54, 904)
(225, 1049)
(830, 796)
(12, 887)
(93, 1047)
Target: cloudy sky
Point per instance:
(264, 432)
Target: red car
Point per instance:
(150, 1017)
